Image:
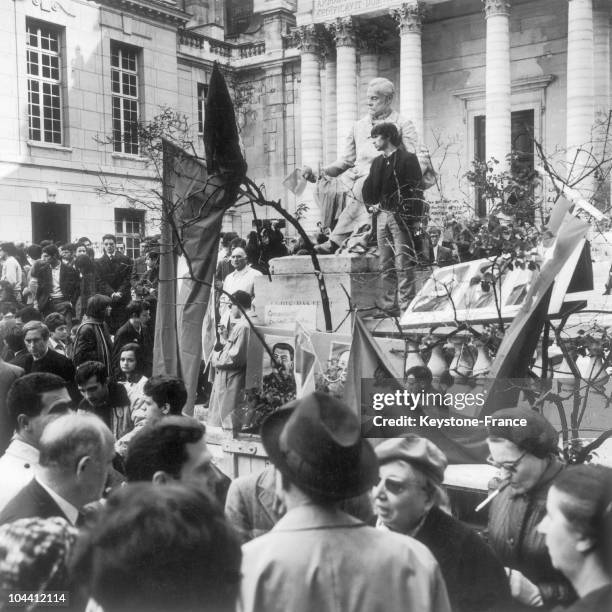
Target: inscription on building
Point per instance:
(324, 9)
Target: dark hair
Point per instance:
(157, 549)
(109, 237)
(284, 346)
(24, 394)
(161, 447)
(44, 243)
(242, 298)
(54, 320)
(9, 248)
(133, 309)
(83, 240)
(97, 305)
(69, 246)
(36, 326)
(387, 130)
(6, 307)
(238, 243)
(52, 251)
(27, 314)
(84, 264)
(420, 373)
(14, 339)
(88, 369)
(587, 504)
(227, 238)
(34, 251)
(137, 350)
(167, 390)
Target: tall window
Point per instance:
(202, 93)
(129, 229)
(44, 83)
(124, 78)
(522, 126)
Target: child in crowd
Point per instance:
(58, 333)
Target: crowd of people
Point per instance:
(111, 500)
(96, 518)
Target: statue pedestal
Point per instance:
(293, 295)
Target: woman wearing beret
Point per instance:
(408, 500)
(527, 459)
(578, 532)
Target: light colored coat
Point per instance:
(230, 374)
(322, 559)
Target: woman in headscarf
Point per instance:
(527, 457)
(577, 529)
(92, 341)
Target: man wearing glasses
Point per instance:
(527, 457)
(241, 279)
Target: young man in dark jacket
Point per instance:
(391, 190)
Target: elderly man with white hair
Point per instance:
(354, 164)
(76, 453)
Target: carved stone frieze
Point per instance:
(496, 7)
(409, 17)
(344, 32)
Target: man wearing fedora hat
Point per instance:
(317, 557)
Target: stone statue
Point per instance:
(353, 166)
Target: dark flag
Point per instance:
(521, 338)
(369, 371)
(196, 196)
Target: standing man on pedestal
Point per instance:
(114, 272)
(359, 152)
(392, 188)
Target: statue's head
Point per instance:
(380, 95)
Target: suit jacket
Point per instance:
(400, 172)
(474, 576)
(69, 284)
(318, 558)
(114, 275)
(31, 501)
(52, 362)
(250, 506)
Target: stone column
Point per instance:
(369, 51)
(498, 85)
(330, 102)
(343, 31)
(311, 113)
(580, 91)
(410, 19)
(601, 45)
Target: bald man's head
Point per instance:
(76, 452)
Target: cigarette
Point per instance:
(492, 496)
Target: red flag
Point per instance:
(194, 204)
